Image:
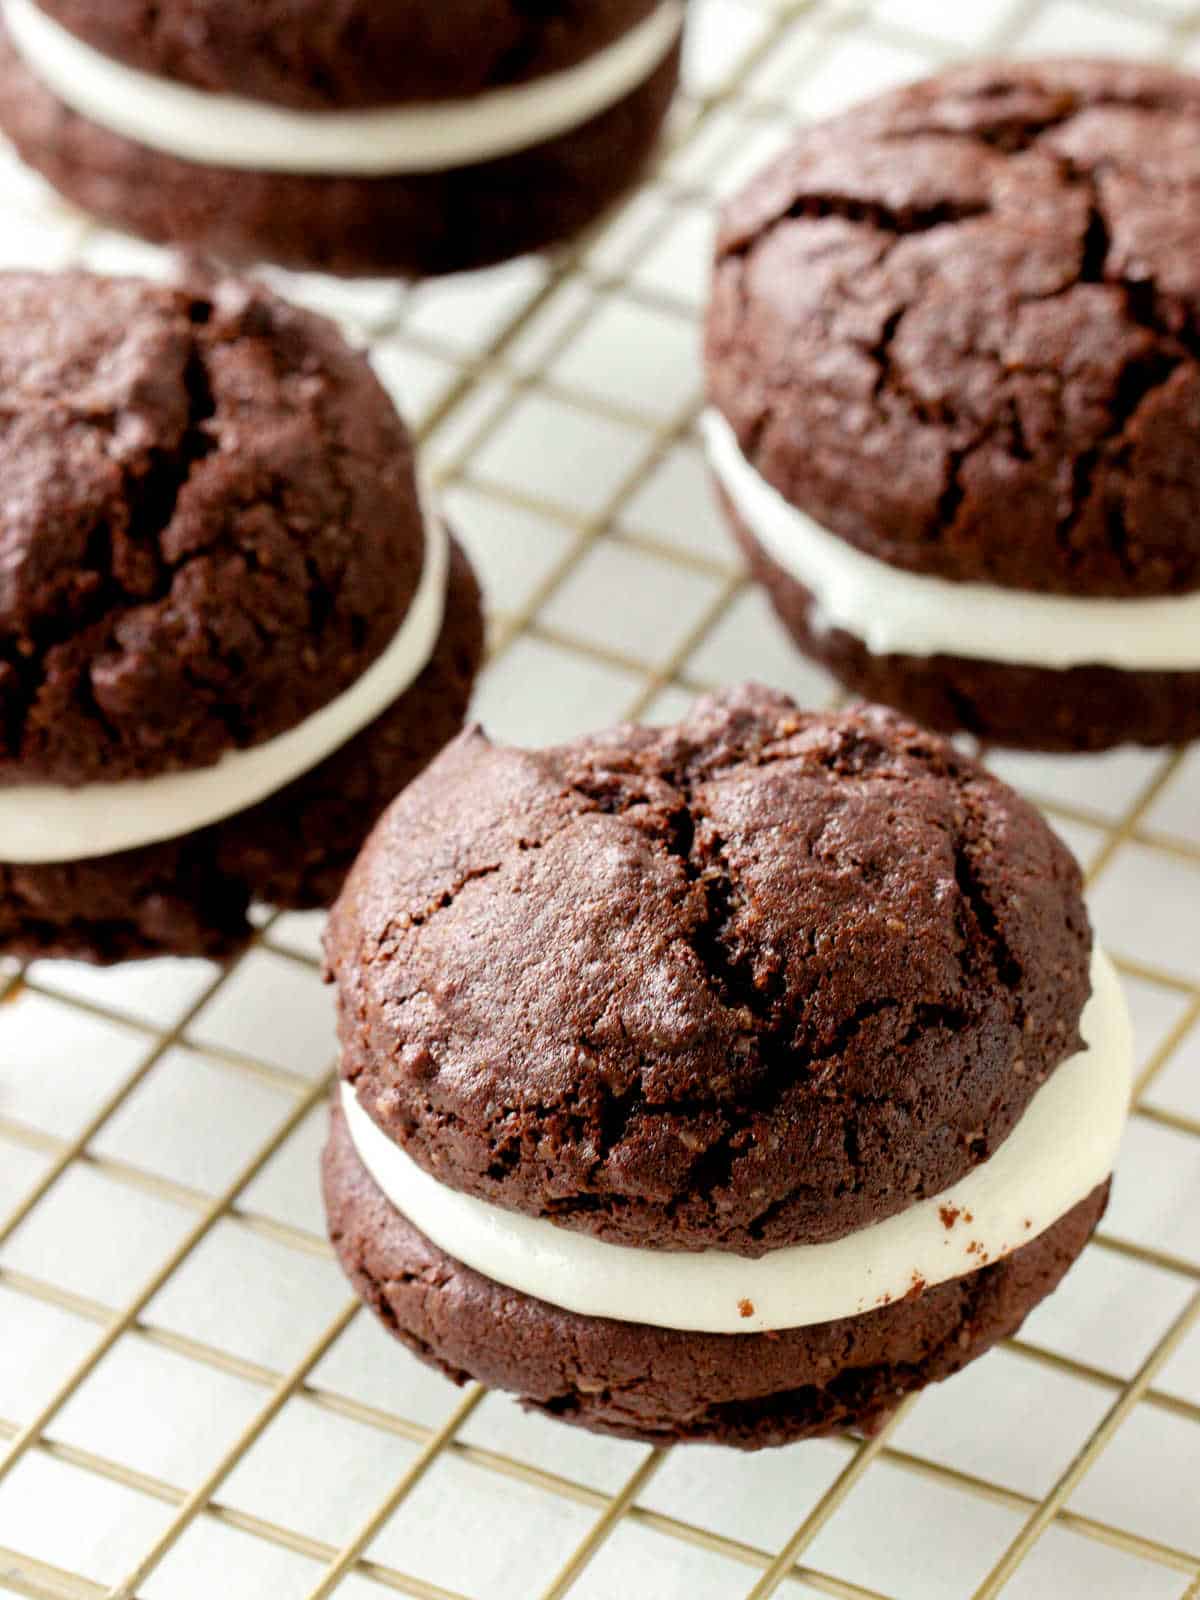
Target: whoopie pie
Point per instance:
(727, 1081)
(954, 374)
(228, 633)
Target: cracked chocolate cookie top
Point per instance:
(315, 55)
(960, 327)
(209, 525)
(762, 978)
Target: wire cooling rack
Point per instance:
(191, 1404)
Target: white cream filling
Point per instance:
(894, 612)
(42, 823)
(1063, 1147)
(431, 136)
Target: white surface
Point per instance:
(224, 130)
(894, 612)
(945, 1426)
(1129, 903)
(46, 823)
(1062, 1148)
(153, 993)
(473, 1531)
(259, 1289)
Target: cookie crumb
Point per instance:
(949, 1215)
(745, 1308)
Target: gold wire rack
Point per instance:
(490, 373)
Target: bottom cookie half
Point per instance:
(660, 1385)
(1027, 707)
(190, 896)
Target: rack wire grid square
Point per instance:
(192, 1404)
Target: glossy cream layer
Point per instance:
(894, 612)
(42, 823)
(222, 130)
(1062, 1148)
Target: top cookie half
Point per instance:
(959, 326)
(209, 523)
(756, 980)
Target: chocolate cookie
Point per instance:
(226, 637)
(406, 140)
(954, 365)
(696, 1059)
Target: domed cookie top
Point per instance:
(294, 53)
(760, 979)
(960, 327)
(209, 525)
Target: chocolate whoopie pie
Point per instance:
(723, 1082)
(227, 634)
(954, 372)
(401, 138)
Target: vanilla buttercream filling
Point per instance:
(43, 823)
(1062, 1148)
(893, 612)
(224, 130)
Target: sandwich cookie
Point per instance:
(954, 384)
(227, 634)
(410, 139)
(722, 1082)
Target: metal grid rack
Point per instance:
(190, 1402)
